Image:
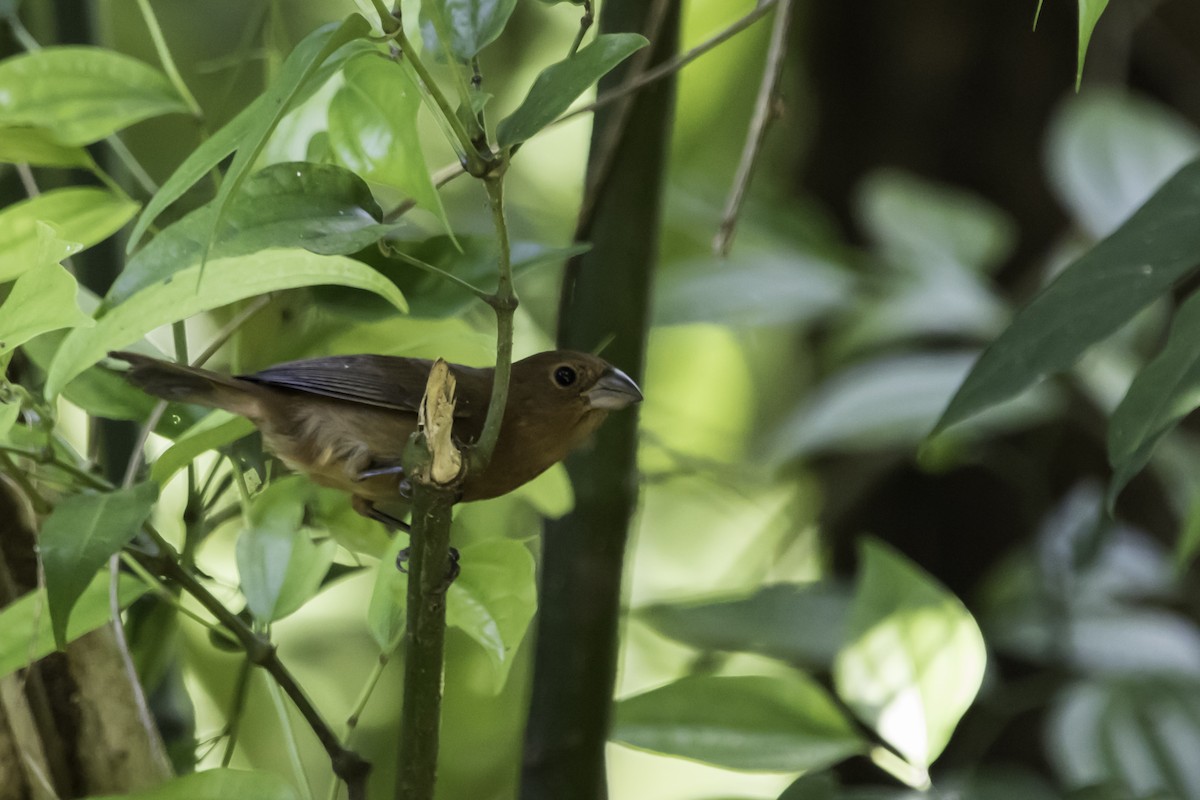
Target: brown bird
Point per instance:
(345, 420)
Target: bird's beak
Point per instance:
(613, 390)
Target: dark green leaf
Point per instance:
(80, 535)
(321, 207)
(25, 634)
(79, 215)
(813, 786)
(771, 724)
(1163, 393)
(225, 281)
(37, 147)
(472, 24)
(296, 80)
(82, 94)
(1091, 299)
(914, 657)
(373, 129)
(216, 784)
(560, 84)
(802, 624)
(280, 564)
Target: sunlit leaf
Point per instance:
(493, 599)
(472, 24)
(914, 657)
(309, 65)
(41, 300)
(225, 280)
(38, 147)
(803, 624)
(1107, 151)
(1136, 735)
(373, 129)
(1091, 298)
(81, 216)
(79, 536)
(25, 634)
(280, 565)
(560, 84)
(216, 784)
(773, 724)
(321, 207)
(82, 94)
(1089, 15)
(215, 430)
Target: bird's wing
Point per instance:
(385, 381)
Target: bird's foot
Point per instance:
(367, 509)
(395, 469)
(452, 571)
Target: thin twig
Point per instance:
(585, 22)
(164, 57)
(424, 266)
(440, 179)
(764, 113)
(672, 66)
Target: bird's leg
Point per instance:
(365, 507)
(377, 471)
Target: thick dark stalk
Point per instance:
(605, 296)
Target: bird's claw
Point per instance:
(395, 469)
(452, 571)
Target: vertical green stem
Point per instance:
(164, 56)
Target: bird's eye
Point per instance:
(564, 376)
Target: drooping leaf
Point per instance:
(38, 148)
(41, 300)
(771, 724)
(1089, 15)
(560, 84)
(1163, 393)
(225, 280)
(216, 429)
(79, 536)
(1107, 151)
(81, 216)
(373, 129)
(280, 565)
(472, 24)
(914, 657)
(493, 600)
(321, 207)
(297, 79)
(803, 624)
(82, 94)
(25, 634)
(1091, 298)
(216, 784)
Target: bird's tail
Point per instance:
(186, 384)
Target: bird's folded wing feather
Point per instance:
(385, 381)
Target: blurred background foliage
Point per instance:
(931, 168)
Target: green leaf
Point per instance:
(1135, 735)
(1091, 298)
(82, 94)
(493, 600)
(25, 635)
(216, 784)
(1163, 393)
(299, 68)
(225, 281)
(560, 84)
(1089, 15)
(323, 208)
(82, 216)
(41, 300)
(80, 535)
(253, 123)
(1107, 151)
(387, 611)
(472, 24)
(280, 565)
(216, 429)
(9, 412)
(769, 724)
(914, 657)
(920, 226)
(373, 129)
(803, 624)
(38, 148)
